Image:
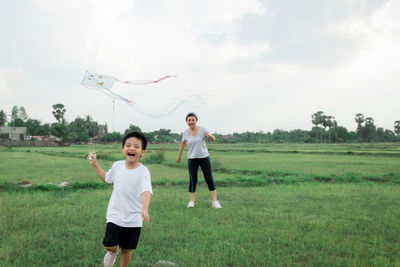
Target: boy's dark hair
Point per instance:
(191, 114)
(137, 135)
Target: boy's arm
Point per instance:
(93, 161)
(181, 147)
(145, 207)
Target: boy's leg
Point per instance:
(128, 241)
(126, 255)
(110, 242)
(111, 256)
(111, 249)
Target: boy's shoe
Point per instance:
(215, 204)
(110, 257)
(191, 204)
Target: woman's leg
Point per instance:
(193, 167)
(206, 168)
(192, 196)
(205, 165)
(213, 195)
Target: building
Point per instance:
(230, 136)
(13, 133)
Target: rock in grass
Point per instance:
(163, 263)
(25, 184)
(63, 184)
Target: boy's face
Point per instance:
(133, 149)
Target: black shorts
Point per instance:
(125, 237)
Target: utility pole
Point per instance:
(113, 113)
(13, 127)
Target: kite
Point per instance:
(104, 83)
(95, 80)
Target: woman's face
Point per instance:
(191, 121)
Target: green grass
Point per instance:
(283, 205)
(229, 162)
(312, 225)
(313, 163)
(42, 168)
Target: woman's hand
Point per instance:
(210, 136)
(145, 216)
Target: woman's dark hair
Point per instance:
(137, 135)
(191, 114)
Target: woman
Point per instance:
(198, 155)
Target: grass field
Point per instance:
(283, 205)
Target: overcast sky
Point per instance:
(258, 65)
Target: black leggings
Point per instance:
(193, 166)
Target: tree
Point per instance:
(341, 133)
(59, 129)
(22, 114)
(382, 135)
(77, 130)
(335, 125)
(162, 135)
(327, 122)
(397, 127)
(369, 128)
(17, 122)
(18, 116)
(3, 118)
(59, 112)
(32, 127)
(91, 126)
(133, 128)
(112, 137)
(82, 129)
(14, 113)
(317, 119)
(359, 118)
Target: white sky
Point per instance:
(258, 65)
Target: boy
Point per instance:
(130, 199)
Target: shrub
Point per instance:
(158, 157)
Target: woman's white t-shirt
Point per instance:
(126, 199)
(197, 147)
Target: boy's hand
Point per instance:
(145, 216)
(178, 159)
(92, 157)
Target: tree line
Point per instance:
(84, 129)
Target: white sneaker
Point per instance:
(110, 257)
(191, 204)
(215, 204)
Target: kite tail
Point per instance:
(138, 82)
(193, 101)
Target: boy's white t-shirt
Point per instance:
(126, 199)
(197, 147)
